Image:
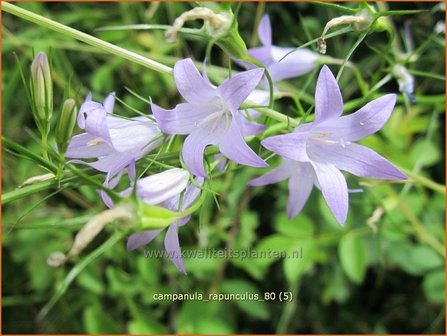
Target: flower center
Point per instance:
(324, 138)
(215, 119)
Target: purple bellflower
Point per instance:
(295, 64)
(164, 189)
(315, 152)
(211, 116)
(115, 142)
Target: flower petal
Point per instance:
(85, 146)
(133, 134)
(300, 187)
(172, 247)
(183, 119)
(109, 102)
(235, 90)
(291, 146)
(262, 54)
(139, 239)
(190, 83)
(293, 65)
(265, 31)
(367, 120)
(334, 188)
(360, 161)
(251, 127)
(233, 146)
(278, 174)
(328, 99)
(194, 147)
(160, 187)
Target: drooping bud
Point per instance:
(41, 88)
(360, 22)
(219, 27)
(65, 125)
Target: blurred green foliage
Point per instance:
(381, 273)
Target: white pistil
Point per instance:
(95, 142)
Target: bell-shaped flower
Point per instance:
(171, 190)
(114, 142)
(211, 116)
(327, 145)
(274, 58)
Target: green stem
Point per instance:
(425, 181)
(93, 41)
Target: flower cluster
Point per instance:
(314, 154)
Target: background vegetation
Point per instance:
(378, 274)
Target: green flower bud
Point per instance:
(41, 87)
(233, 43)
(65, 125)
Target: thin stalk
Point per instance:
(86, 38)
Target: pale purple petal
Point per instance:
(334, 188)
(233, 146)
(251, 127)
(262, 54)
(293, 65)
(193, 149)
(367, 120)
(360, 161)
(142, 238)
(328, 99)
(172, 247)
(96, 122)
(127, 135)
(86, 108)
(132, 171)
(291, 146)
(300, 187)
(183, 119)
(280, 173)
(160, 187)
(191, 85)
(265, 31)
(234, 91)
(109, 102)
(84, 146)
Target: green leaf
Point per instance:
(97, 322)
(300, 226)
(257, 309)
(146, 326)
(352, 253)
(434, 286)
(296, 265)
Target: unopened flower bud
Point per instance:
(41, 87)
(65, 125)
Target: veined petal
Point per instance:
(87, 108)
(291, 146)
(234, 91)
(190, 83)
(334, 188)
(233, 146)
(183, 119)
(360, 161)
(85, 146)
(159, 187)
(300, 187)
(172, 247)
(131, 134)
(278, 174)
(193, 149)
(328, 99)
(189, 196)
(265, 31)
(142, 238)
(367, 120)
(295, 64)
